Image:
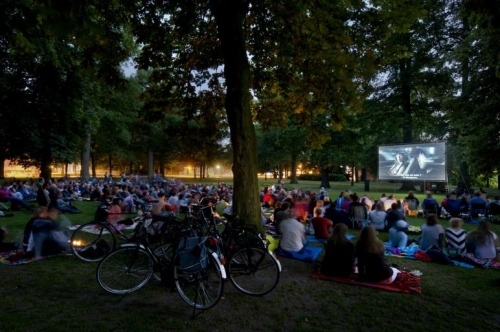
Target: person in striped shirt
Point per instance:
(455, 235)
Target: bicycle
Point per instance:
(131, 266)
(251, 268)
(92, 241)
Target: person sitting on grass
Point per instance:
(293, 242)
(339, 256)
(372, 266)
(162, 208)
(376, 218)
(455, 236)
(397, 235)
(38, 213)
(482, 242)
(115, 210)
(15, 202)
(322, 226)
(430, 205)
(48, 239)
(393, 215)
(65, 206)
(293, 237)
(432, 233)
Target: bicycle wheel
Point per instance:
(125, 270)
(92, 241)
(201, 290)
(253, 271)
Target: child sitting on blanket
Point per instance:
(339, 255)
(372, 266)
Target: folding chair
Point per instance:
(477, 211)
(359, 215)
(429, 206)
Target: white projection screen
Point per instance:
(423, 161)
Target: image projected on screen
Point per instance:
(425, 161)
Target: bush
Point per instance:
(309, 177)
(337, 177)
(331, 177)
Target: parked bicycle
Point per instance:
(251, 268)
(199, 280)
(92, 241)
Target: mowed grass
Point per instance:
(61, 294)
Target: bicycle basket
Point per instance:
(192, 253)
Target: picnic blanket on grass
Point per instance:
(311, 238)
(307, 254)
(15, 257)
(408, 252)
(405, 282)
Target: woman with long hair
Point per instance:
(371, 261)
(339, 255)
(481, 241)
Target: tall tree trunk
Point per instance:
(45, 163)
(84, 172)
(325, 183)
(406, 100)
(93, 165)
(150, 164)
(353, 174)
(230, 18)
(2, 163)
(161, 165)
(110, 165)
(465, 85)
(293, 176)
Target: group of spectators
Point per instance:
(298, 210)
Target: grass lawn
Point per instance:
(61, 294)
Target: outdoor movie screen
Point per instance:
(425, 161)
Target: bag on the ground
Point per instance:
(438, 256)
(421, 255)
(193, 255)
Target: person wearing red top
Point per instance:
(268, 195)
(322, 226)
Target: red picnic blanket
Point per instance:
(405, 282)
